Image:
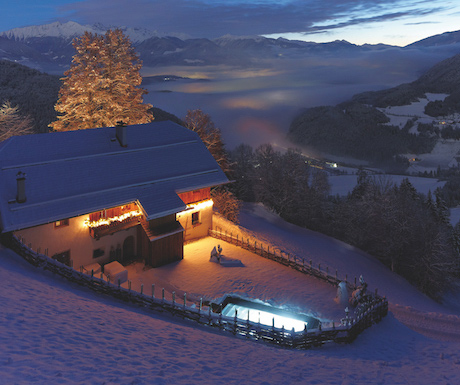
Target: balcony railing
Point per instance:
(114, 227)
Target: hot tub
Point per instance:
(266, 314)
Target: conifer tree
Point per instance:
(12, 123)
(101, 87)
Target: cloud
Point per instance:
(214, 18)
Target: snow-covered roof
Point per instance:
(76, 172)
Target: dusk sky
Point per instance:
(397, 22)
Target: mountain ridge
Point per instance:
(48, 47)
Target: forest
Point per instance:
(407, 231)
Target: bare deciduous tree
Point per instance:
(201, 123)
(12, 123)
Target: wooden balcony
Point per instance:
(114, 227)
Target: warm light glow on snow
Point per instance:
(108, 221)
(194, 207)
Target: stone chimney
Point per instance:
(21, 187)
(121, 133)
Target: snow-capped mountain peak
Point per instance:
(71, 29)
(66, 30)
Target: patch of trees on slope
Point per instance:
(34, 92)
(356, 128)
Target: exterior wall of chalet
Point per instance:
(70, 242)
(121, 233)
(197, 220)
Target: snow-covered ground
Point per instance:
(343, 184)
(400, 115)
(445, 152)
(55, 332)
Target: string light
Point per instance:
(108, 221)
(194, 207)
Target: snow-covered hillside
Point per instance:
(446, 151)
(54, 332)
(400, 115)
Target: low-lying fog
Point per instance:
(256, 105)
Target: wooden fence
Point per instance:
(287, 259)
(345, 331)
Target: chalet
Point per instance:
(108, 194)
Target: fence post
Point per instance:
(185, 299)
(173, 298)
(142, 288)
(319, 266)
(201, 304)
(305, 332)
(234, 320)
(153, 290)
(163, 294)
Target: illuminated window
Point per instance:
(196, 218)
(61, 223)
